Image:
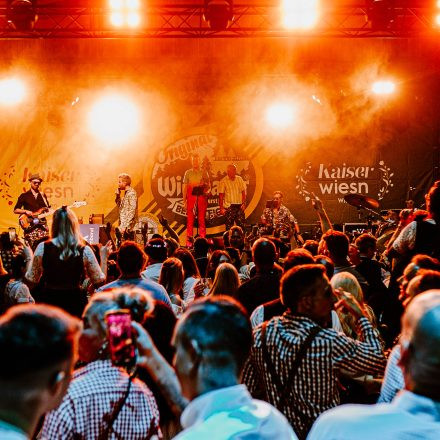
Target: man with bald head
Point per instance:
(415, 411)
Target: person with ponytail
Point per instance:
(62, 262)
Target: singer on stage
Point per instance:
(127, 204)
(195, 181)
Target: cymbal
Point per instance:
(360, 201)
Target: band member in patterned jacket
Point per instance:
(127, 204)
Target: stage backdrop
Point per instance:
(210, 97)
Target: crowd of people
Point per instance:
(236, 338)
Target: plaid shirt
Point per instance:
(314, 388)
(90, 400)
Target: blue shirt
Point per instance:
(231, 413)
(156, 291)
(408, 416)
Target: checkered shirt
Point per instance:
(90, 400)
(314, 388)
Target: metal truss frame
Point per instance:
(186, 21)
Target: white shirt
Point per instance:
(409, 416)
(152, 272)
(231, 413)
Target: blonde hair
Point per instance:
(125, 177)
(348, 282)
(226, 280)
(65, 229)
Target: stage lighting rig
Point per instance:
(218, 13)
(21, 14)
(381, 13)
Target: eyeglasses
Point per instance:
(36, 182)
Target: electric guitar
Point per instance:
(27, 222)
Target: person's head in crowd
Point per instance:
(281, 247)
(156, 249)
(306, 290)
(406, 216)
(348, 283)
(327, 263)
(93, 342)
(236, 237)
(18, 266)
(264, 254)
(216, 258)
(172, 245)
(131, 259)
(353, 254)
(420, 345)
(65, 231)
(409, 204)
(311, 246)
(366, 243)
(226, 280)
(201, 247)
(234, 254)
(433, 201)
(212, 340)
(426, 279)
(190, 268)
(160, 325)
(171, 276)
(418, 262)
(39, 346)
(296, 258)
(336, 245)
(5, 243)
(225, 240)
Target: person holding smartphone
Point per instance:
(123, 407)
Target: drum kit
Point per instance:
(378, 225)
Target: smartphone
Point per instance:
(12, 234)
(120, 337)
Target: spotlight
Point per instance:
(280, 115)
(21, 14)
(125, 13)
(218, 13)
(383, 87)
(114, 119)
(299, 14)
(12, 91)
(381, 13)
(437, 20)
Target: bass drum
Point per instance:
(144, 229)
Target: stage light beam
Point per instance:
(12, 91)
(383, 87)
(125, 13)
(114, 119)
(437, 20)
(299, 14)
(280, 115)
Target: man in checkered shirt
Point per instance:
(309, 298)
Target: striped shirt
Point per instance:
(314, 388)
(232, 189)
(393, 380)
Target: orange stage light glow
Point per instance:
(12, 91)
(114, 119)
(383, 87)
(437, 20)
(125, 13)
(280, 115)
(299, 14)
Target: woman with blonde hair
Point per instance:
(171, 277)
(347, 282)
(62, 263)
(226, 281)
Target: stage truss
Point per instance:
(186, 21)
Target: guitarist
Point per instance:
(31, 203)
